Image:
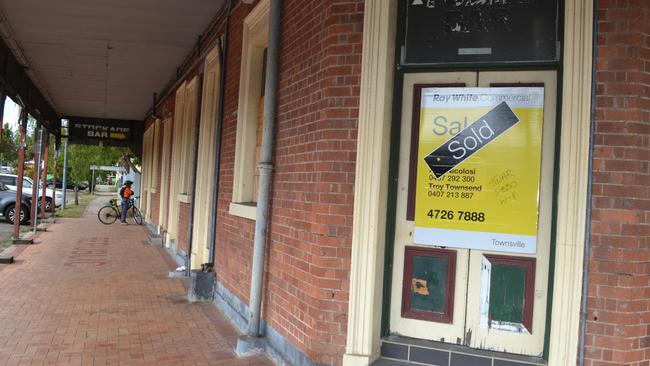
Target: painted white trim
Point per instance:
(205, 177)
(246, 211)
(371, 185)
(254, 40)
(573, 183)
(184, 198)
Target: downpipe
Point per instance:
(223, 54)
(251, 341)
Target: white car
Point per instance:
(10, 180)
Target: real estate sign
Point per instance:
(478, 169)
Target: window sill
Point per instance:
(184, 198)
(152, 191)
(245, 210)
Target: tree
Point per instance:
(81, 157)
(8, 147)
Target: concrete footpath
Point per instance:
(92, 294)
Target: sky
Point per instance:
(11, 113)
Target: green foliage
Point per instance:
(8, 147)
(81, 157)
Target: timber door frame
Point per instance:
(205, 177)
(372, 171)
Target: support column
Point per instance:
(92, 183)
(54, 172)
(3, 98)
(43, 181)
(38, 138)
(373, 145)
(21, 173)
(64, 187)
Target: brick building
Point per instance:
(352, 270)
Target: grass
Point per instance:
(8, 239)
(72, 210)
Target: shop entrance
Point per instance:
(450, 286)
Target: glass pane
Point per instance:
(507, 286)
(27, 184)
(428, 283)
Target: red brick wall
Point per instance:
(618, 320)
(307, 279)
(234, 242)
(183, 225)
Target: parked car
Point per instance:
(8, 204)
(69, 185)
(10, 180)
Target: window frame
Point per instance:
(254, 41)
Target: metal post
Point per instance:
(3, 98)
(38, 138)
(64, 185)
(92, 183)
(21, 172)
(54, 172)
(266, 168)
(43, 175)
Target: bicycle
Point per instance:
(108, 214)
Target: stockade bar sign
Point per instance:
(478, 169)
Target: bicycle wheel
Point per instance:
(107, 215)
(137, 216)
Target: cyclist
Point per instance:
(125, 193)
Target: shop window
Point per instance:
(429, 281)
(250, 111)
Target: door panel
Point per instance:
(506, 335)
(453, 331)
(482, 299)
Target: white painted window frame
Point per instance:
(254, 40)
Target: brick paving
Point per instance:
(93, 294)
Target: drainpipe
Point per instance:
(587, 251)
(223, 54)
(266, 168)
(197, 130)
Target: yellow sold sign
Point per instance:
(478, 171)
